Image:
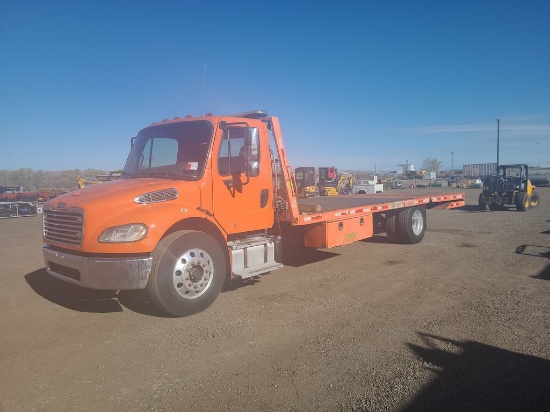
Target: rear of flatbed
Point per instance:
(329, 221)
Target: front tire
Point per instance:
(534, 199)
(522, 201)
(187, 274)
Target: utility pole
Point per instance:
(452, 161)
(498, 139)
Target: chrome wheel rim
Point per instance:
(417, 222)
(192, 274)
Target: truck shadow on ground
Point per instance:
(472, 376)
(302, 256)
(380, 238)
(537, 251)
(89, 300)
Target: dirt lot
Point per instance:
(459, 322)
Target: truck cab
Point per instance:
(200, 184)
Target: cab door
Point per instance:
(241, 186)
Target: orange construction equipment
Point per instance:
(202, 201)
(306, 182)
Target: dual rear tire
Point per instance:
(407, 225)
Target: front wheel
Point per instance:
(187, 274)
(534, 199)
(522, 201)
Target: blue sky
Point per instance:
(355, 84)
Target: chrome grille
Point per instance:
(158, 196)
(64, 226)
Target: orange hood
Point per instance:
(113, 204)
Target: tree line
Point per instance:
(41, 180)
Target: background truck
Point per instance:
(202, 201)
(367, 187)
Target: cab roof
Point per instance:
(254, 114)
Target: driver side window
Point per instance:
(232, 158)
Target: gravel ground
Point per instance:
(458, 322)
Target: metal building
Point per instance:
(482, 169)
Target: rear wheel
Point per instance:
(522, 201)
(411, 224)
(391, 227)
(534, 199)
(408, 225)
(187, 274)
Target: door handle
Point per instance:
(264, 197)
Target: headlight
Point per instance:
(127, 233)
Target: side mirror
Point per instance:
(252, 145)
(253, 168)
(252, 148)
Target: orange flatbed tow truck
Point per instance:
(202, 201)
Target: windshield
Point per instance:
(174, 150)
(510, 171)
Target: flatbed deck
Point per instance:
(371, 203)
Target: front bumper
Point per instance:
(98, 273)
